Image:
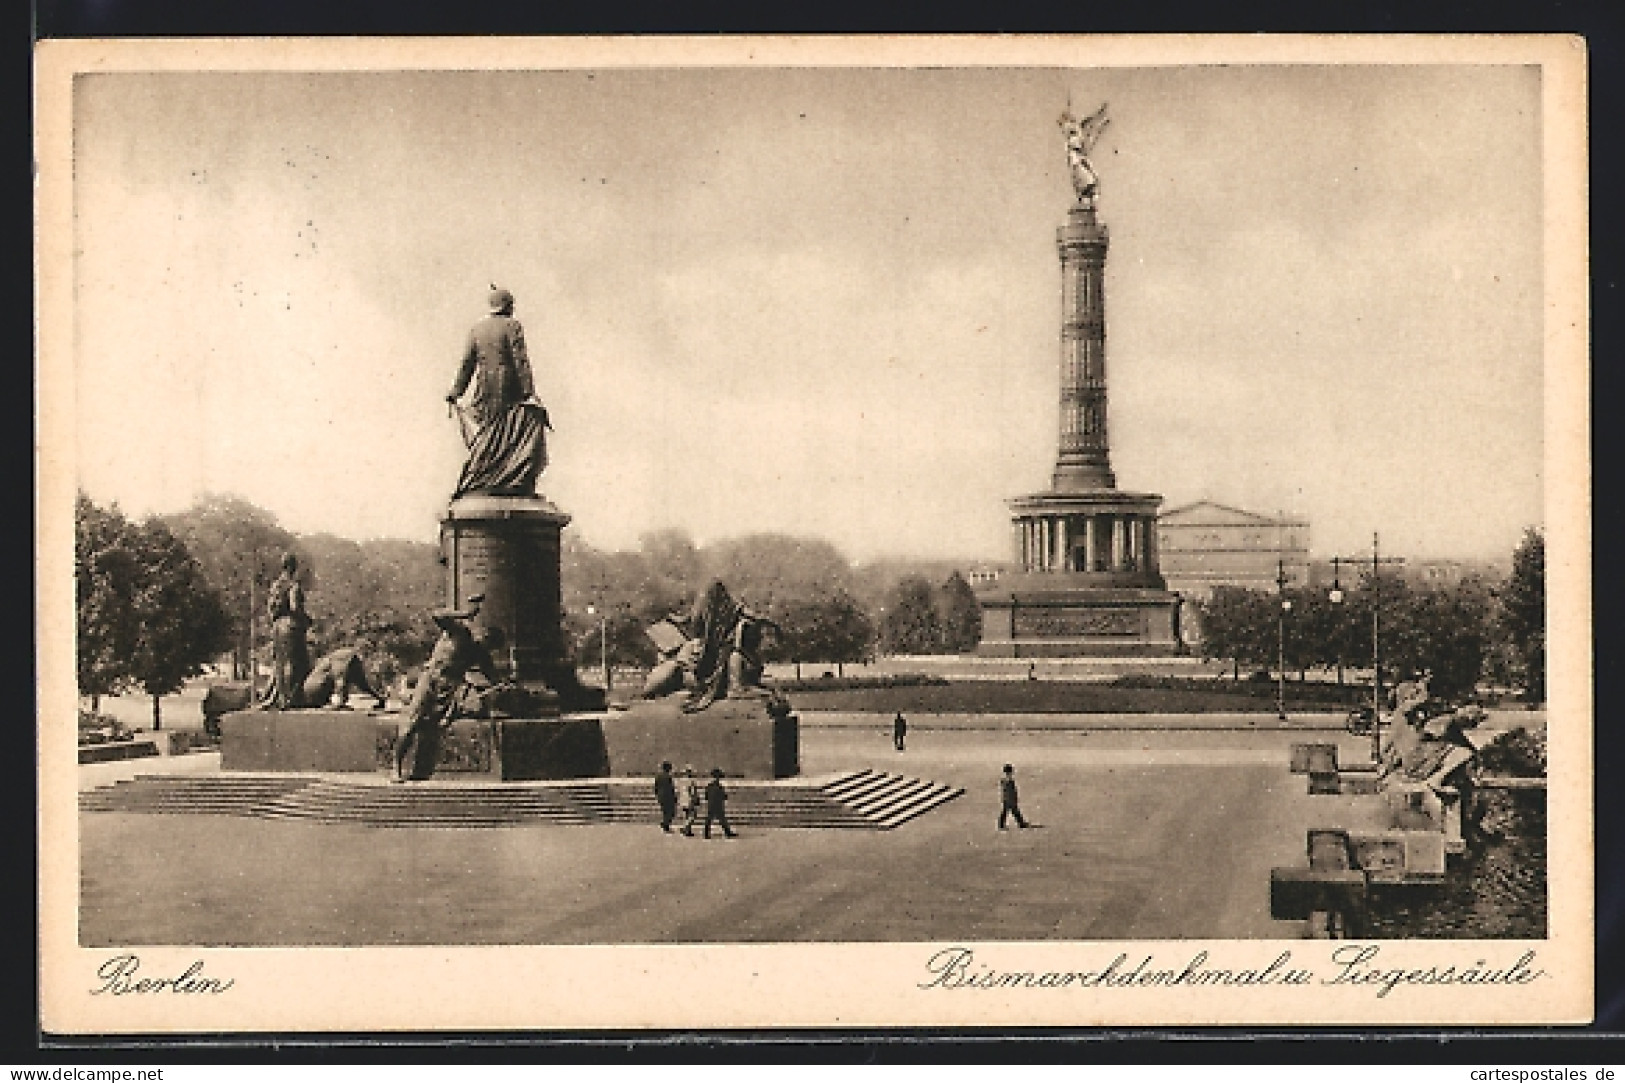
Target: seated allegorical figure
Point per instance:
(714, 653)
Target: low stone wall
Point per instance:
(116, 750)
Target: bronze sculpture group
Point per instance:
(295, 682)
(714, 652)
(719, 655)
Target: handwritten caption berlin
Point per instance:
(1350, 965)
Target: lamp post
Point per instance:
(603, 641)
(1284, 605)
(1377, 560)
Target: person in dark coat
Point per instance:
(691, 801)
(1009, 801)
(899, 730)
(666, 794)
(434, 700)
(507, 447)
(716, 804)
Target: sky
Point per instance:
(817, 301)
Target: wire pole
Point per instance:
(1280, 639)
(253, 677)
(1377, 560)
(1376, 653)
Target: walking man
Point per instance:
(691, 800)
(666, 794)
(716, 804)
(1009, 803)
(899, 730)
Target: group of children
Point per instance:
(716, 801)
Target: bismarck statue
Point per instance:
(499, 538)
(504, 425)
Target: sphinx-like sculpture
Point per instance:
(715, 653)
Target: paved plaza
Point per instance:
(1143, 834)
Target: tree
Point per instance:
(1239, 624)
(106, 569)
(146, 615)
(1521, 611)
(959, 615)
(910, 624)
(672, 557)
(181, 619)
(238, 546)
(1441, 631)
(378, 593)
(822, 629)
(759, 568)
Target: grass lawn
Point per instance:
(1068, 697)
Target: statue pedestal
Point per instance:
(1069, 616)
(507, 548)
(737, 735)
(363, 742)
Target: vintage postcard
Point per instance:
(746, 533)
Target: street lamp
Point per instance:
(1282, 609)
(1377, 560)
(603, 641)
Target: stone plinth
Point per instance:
(510, 749)
(507, 548)
(1063, 616)
(737, 735)
(261, 740)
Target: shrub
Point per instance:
(1518, 753)
(96, 728)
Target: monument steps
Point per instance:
(864, 800)
(890, 800)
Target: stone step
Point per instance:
(855, 785)
(894, 789)
(932, 798)
(863, 800)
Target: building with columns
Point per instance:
(1087, 579)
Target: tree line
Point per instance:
(160, 599)
(824, 608)
(1462, 634)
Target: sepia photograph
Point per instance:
(789, 532)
